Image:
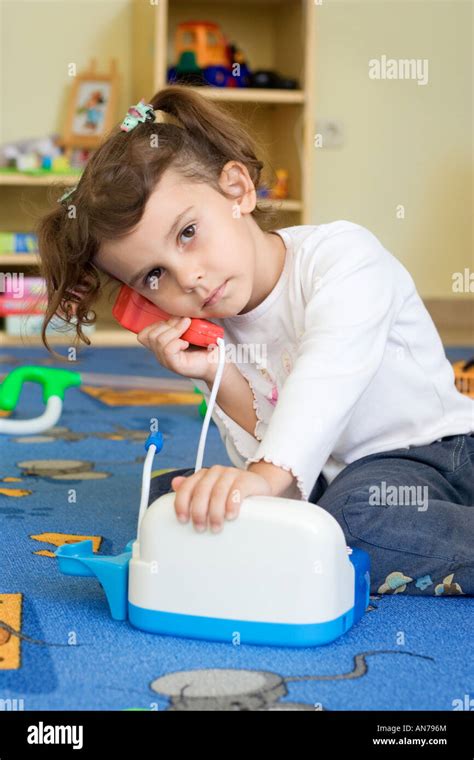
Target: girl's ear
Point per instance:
(236, 182)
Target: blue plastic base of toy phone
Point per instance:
(269, 634)
(247, 632)
(112, 573)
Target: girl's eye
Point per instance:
(188, 232)
(191, 227)
(150, 273)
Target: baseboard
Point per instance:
(454, 319)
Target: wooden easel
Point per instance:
(69, 139)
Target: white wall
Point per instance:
(404, 143)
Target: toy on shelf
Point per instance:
(35, 155)
(91, 112)
(18, 242)
(205, 57)
(61, 165)
(41, 156)
(279, 575)
(272, 80)
(29, 298)
(263, 192)
(78, 157)
(207, 41)
(280, 190)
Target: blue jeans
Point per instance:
(411, 509)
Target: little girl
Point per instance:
(336, 389)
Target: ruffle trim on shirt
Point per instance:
(299, 481)
(255, 406)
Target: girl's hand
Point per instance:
(216, 493)
(163, 339)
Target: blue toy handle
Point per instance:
(111, 572)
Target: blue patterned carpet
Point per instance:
(59, 647)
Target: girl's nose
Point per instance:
(189, 281)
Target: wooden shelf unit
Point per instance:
(273, 34)
(30, 180)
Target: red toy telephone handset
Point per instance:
(135, 312)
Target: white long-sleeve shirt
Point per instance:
(351, 363)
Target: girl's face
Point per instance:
(190, 241)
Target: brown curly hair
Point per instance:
(110, 198)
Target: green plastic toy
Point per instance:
(54, 381)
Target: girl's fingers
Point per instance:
(166, 332)
(145, 335)
(200, 496)
(207, 494)
(175, 346)
(183, 495)
(224, 501)
(174, 326)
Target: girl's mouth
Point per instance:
(217, 295)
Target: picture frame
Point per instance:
(92, 107)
